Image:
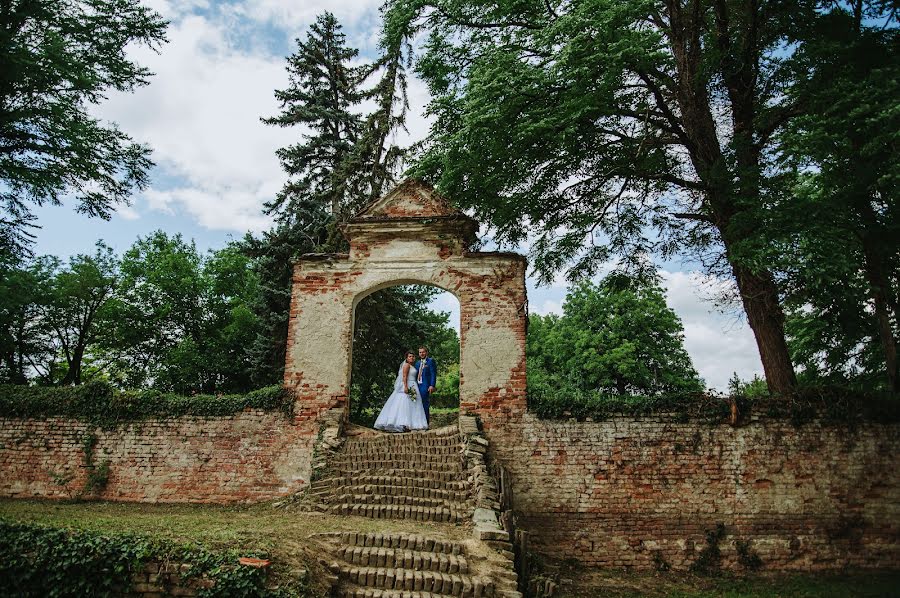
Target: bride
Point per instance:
(403, 410)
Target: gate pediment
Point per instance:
(409, 199)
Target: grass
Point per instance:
(281, 532)
(284, 532)
(851, 584)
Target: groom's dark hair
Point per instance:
(424, 347)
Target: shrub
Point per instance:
(99, 403)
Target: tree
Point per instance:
(159, 308)
(56, 60)
(615, 129)
(77, 310)
(342, 164)
(617, 336)
(842, 266)
(25, 293)
(323, 89)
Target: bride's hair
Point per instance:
(408, 353)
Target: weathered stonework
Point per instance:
(637, 492)
(410, 236)
(247, 457)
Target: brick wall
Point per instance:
(251, 456)
(634, 492)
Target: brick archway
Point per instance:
(410, 236)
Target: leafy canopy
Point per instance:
(57, 60)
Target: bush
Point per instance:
(549, 399)
(38, 560)
(100, 403)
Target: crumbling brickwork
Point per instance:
(411, 236)
(247, 457)
(640, 493)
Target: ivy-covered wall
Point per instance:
(249, 456)
(666, 491)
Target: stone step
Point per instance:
(395, 540)
(400, 558)
(379, 479)
(401, 472)
(414, 513)
(458, 496)
(434, 463)
(447, 584)
(358, 592)
(400, 499)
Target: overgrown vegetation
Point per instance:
(833, 405)
(38, 561)
(103, 405)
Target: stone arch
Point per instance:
(410, 236)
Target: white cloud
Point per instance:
(718, 343)
(200, 114)
(352, 14)
(548, 306)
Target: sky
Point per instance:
(216, 163)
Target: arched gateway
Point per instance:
(410, 236)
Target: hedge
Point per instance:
(835, 405)
(100, 403)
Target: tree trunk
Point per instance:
(73, 375)
(878, 289)
(766, 318)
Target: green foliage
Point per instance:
(836, 405)
(40, 561)
(841, 264)
(58, 59)
(180, 321)
(710, 557)
(747, 557)
(446, 393)
(99, 403)
(616, 336)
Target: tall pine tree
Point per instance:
(345, 161)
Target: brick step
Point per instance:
(404, 441)
(401, 558)
(411, 512)
(391, 490)
(422, 474)
(346, 481)
(397, 540)
(358, 592)
(400, 499)
(454, 452)
(447, 584)
(393, 461)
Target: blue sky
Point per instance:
(216, 161)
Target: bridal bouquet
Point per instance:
(411, 394)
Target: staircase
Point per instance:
(418, 475)
(430, 476)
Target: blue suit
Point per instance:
(429, 378)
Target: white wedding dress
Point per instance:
(400, 413)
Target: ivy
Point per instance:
(38, 561)
(830, 405)
(102, 405)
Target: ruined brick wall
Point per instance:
(250, 456)
(635, 493)
(491, 292)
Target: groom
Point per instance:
(426, 380)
